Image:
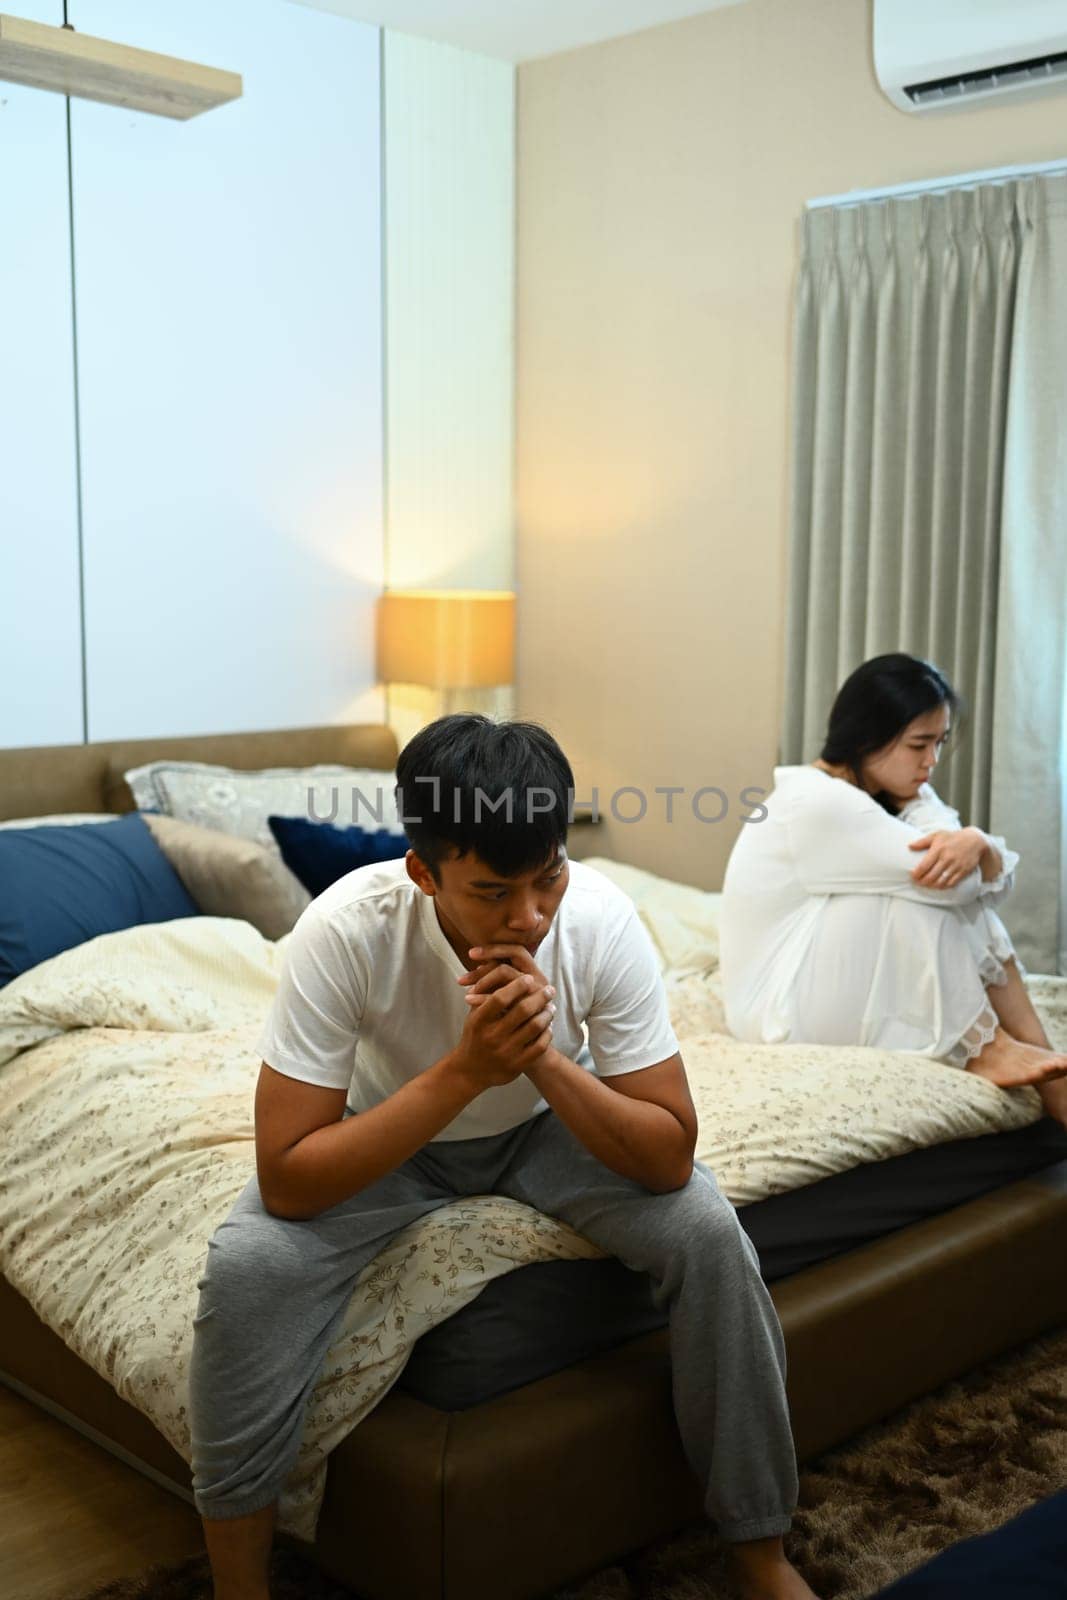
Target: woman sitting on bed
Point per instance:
(858, 911)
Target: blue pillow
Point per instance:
(319, 853)
(60, 886)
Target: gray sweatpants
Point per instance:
(274, 1293)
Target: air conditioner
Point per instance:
(933, 55)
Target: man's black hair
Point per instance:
(501, 790)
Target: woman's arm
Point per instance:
(993, 858)
(949, 855)
(928, 813)
(844, 842)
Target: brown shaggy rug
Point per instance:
(957, 1463)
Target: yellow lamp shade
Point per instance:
(447, 638)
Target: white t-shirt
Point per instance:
(821, 837)
(368, 996)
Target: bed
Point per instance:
(485, 1464)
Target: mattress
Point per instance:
(546, 1316)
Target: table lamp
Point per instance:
(447, 639)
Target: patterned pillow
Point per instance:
(240, 802)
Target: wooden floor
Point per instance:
(72, 1516)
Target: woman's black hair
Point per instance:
(500, 789)
(875, 704)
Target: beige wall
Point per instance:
(661, 177)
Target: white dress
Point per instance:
(826, 939)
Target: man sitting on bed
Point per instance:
(443, 998)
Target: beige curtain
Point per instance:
(912, 315)
(1029, 780)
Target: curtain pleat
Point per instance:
(987, 621)
(858, 425)
(824, 560)
(888, 455)
(966, 595)
(946, 454)
(1028, 780)
(918, 455)
(803, 410)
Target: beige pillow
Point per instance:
(231, 877)
(683, 921)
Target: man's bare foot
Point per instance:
(763, 1572)
(1054, 1099)
(1009, 1064)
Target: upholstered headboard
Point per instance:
(37, 781)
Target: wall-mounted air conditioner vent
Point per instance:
(962, 52)
(1040, 73)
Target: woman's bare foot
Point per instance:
(1054, 1099)
(1010, 1064)
(763, 1572)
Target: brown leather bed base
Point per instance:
(515, 1497)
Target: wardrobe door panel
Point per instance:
(229, 342)
(40, 626)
